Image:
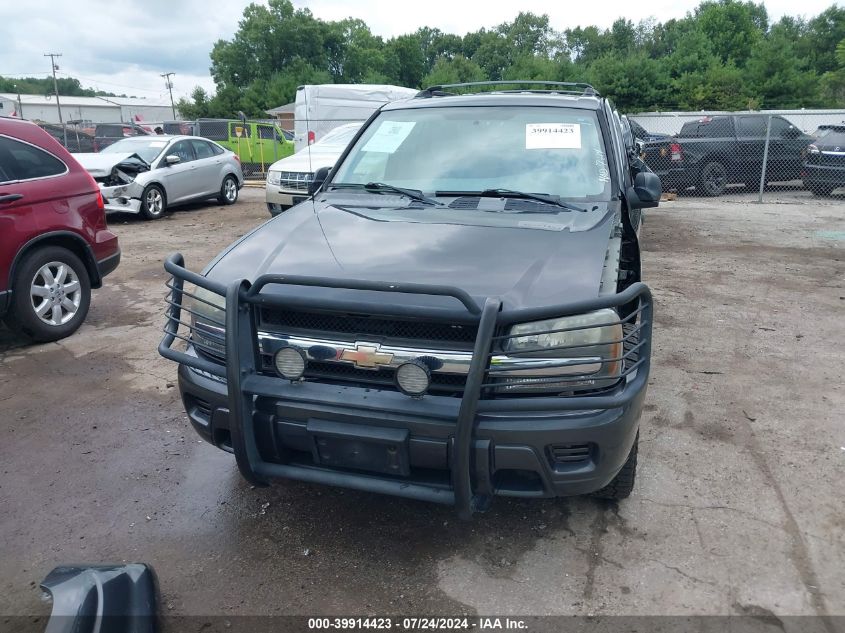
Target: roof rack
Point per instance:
(552, 87)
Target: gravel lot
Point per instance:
(738, 508)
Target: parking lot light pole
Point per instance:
(52, 57)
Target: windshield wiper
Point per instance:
(512, 193)
(383, 187)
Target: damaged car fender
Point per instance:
(116, 174)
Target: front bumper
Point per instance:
(122, 198)
(455, 450)
(283, 199)
(517, 447)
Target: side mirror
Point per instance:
(639, 146)
(319, 178)
(646, 190)
(172, 159)
(791, 132)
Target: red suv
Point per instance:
(54, 242)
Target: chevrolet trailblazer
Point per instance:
(455, 313)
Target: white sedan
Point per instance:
(149, 174)
(288, 179)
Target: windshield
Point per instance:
(340, 136)
(146, 149)
(556, 151)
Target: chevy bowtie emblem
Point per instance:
(366, 356)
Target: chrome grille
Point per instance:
(295, 180)
(363, 326)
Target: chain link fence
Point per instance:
(258, 143)
(762, 154)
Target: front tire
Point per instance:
(51, 295)
(623, 484)
(153, 202)
(714, 179)
(228, 191)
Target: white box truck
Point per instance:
(321, 108)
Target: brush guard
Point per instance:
(245, 382)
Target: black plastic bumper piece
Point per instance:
(102, 599)
(108, 264)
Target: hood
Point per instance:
(526, 263)
(308, 160)
(101, 165)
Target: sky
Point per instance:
(123, 46)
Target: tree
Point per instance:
(408, 58)
(723, 54)
(68, 87)
(632, 81)
(732, 27)
(779, 78)
(824, 33)
(459, 69)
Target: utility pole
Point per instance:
(20, 107)
(169, 85)
(52, 57)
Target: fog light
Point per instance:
(413, 378)
(290, 363)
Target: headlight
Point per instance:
(274, 178)
(812, 149)
(574, 353)
(209, 314)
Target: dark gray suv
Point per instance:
(456, 313)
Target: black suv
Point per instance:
(824, 161)
(456, 313)
(106, 134)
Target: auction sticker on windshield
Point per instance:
(552, 136)
(389, 136)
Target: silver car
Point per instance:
(149, 174)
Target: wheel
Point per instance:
(714, 179)
(821, 190)
(228, 191)
(623, 483)
(51, 293)
(153, 202)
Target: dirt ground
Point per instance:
(738, 507)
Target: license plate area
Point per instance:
(368, 448)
